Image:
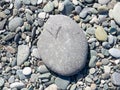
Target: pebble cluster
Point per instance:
(21, 24)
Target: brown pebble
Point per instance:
(98, 64)
(10, 49)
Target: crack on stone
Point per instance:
(56, 35)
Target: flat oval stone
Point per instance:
(101, 34)
(63, 46)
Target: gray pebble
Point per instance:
(11, 79)
(90, 31)
(106, 45)
(111, 39)
(33, 2)
(17, 4)
(20, 75)
(18, 85)
(103, 1)
(2, 81)
(48, 7)
(89, 1)
(14, 23)
(42, 69)
(23, 53)
(45, 76)
(2, 23)
(105, 76)
(68, 7)
(88, 79)
(78, 9)
(62, 82)
(115, 78)
(113, 51)
(27, 2)
(105, 61)
(34, 77)
(35, 53)
(92, 61)
(9, 36)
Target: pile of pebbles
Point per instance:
(21, 24)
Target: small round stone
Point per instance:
(63, 50)
(92, 71)
(27, 71)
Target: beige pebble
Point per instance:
(52, 87)
(101, 34)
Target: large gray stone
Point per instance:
(63, 46)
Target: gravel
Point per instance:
(23, 23)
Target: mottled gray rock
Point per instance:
(15, 22)
(27, 2)
(20, 74)
(23, 52)
(115, 78)
(63, 50)
(62, 82)
(116, 13)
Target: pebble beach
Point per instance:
(59, 45)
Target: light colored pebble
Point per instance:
(17, 85)
(27, 71)
(107, 69)
(101, 34)
(114, 52)
(52, 87)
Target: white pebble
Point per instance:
(17, 85)
(39, 1)
(60, 6)
(42, 15)
(107, 69)
(27, 71)
(115, 52)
